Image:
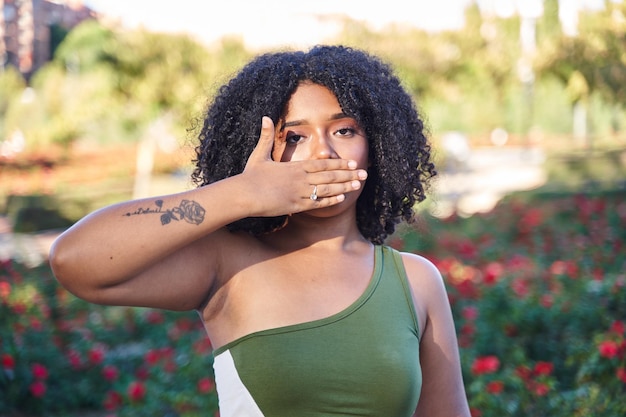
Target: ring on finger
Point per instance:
(313, 195)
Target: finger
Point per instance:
(263, 149)
(328, 201)
(337, 176)
(319, 165)
(336, 190)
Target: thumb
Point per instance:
(263, 149)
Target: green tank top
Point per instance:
(362, 361)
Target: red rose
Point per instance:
(35, 324)
(136, 391)
(540, 389)
(485, 365)
(621, 374)
(205, 385)
(495, 387)
(38, 389)
(185, 324)
(475, 412)
(523, 372)
(5, 290)
(39, 371)
(520, 287)
(152, 357)
(96, 356)
(547, 300)
(74, 358)
(19, 308)
(202, 346)
(618, 327)
(8, 362)
(112, 400)
(470, 313)
(492, 273)
(155, 317)
(110, 373)
(530, 220)
(543, 368)
(608, 349)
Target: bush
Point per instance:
(537, 288)
(60, 354)
(32, 213)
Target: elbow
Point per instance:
(65, 266)
(58, 260)
(61, 265)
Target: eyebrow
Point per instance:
(300, 122)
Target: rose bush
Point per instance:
(537, 288)
(538, 291)
(60, 355)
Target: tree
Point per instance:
(592, 62)
(12, 84)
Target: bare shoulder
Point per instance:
(426, 285)
(421, 272)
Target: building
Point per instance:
(26, 28)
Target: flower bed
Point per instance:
(60, 355)
(537, 288)
(538, 291)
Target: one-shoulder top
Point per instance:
(362, 361)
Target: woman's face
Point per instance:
(315, 127)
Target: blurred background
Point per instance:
(98, 100)
(525, 101)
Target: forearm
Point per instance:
(116, 243)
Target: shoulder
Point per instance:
(427, 286)
(419, 264)
(421, 272)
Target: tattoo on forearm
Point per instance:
(190, 211)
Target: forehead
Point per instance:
(309, 97)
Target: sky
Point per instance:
(267, 23)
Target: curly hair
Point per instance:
(366, 89)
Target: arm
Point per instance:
(443, 392)
(152, 253)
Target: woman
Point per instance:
(306, 163)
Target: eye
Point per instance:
(346, 132)
(293, 138)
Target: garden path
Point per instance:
(476, 183)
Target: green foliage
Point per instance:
(87, 46)
(602, 169)
(34, 213)
(60, 355)
(596, 55)
(107, 85)
(538, 293)
(12, 85)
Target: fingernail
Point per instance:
(341, 197)
(352, 164)
(356, 184)
(266, 122)
(362, 174)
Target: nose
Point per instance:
(322, 148)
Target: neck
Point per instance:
(304, 230)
